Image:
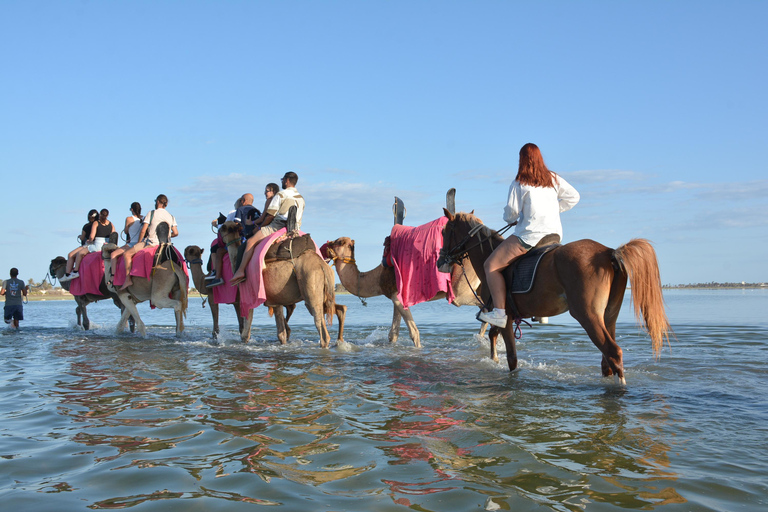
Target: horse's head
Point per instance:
(341, 249)
(460, 235)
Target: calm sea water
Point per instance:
(93, 420)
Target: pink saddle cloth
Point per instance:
(142, 265)
(415, 251)
(252, 291)
(225, 293)
(91, 275)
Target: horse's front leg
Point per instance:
(508, 333)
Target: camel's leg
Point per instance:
(179, 321)
(215, 315)
(315, 307)
(130, 310)
(341, 314)
(394, 329)
(81, 304)
(409, 322)
(281, 324)
(245, 325)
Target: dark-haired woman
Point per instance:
(100, 231)
(536, 199)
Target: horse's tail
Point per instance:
(637, 259)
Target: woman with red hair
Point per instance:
(536, 198)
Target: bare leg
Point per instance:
(128, 258)
(499, 259)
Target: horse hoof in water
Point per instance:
(619, 381)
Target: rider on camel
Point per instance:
(276, 219)
(148, 234)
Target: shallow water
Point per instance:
(95, 420)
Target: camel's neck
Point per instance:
(361, 284)
(198, 278)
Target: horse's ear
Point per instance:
(472, 212)
(202, 251)
(352, 241)
(448, 214)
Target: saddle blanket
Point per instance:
(91, 275)
(225, 293)
(252, 291)
(142, 265)
(524, 269)
(415, 251)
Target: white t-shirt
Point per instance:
(156, 217)
(537, 209)
(282, 201)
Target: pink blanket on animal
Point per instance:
(415, 251)
(252, 291)
(91, 275)
(225, 293)
(142, 265)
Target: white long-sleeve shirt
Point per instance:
(537, 209)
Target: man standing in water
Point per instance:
(14, 290)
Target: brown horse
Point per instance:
(584, 278)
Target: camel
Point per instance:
(381, 281)
(57, 269)
(166, 288)
(194, 258)
(288, 281)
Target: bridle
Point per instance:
(335, 257)
(456, 254)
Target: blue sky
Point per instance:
(655, 111)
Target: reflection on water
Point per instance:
(98, 421)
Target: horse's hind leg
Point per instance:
(613, 361)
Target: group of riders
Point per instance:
(535, 200)
(141, 231)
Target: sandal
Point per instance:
(235, 281)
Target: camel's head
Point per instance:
(193, 254)
(58, 263)
(342, 248)
(231, 231)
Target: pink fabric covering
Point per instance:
(415, 252)
(91, 275)
(142, 265)
(225, 293)
(252, 291)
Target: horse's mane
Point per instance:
(474, 221)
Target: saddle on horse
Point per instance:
(519, 275)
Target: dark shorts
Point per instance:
(15, 312)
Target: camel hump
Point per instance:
(163, 231)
